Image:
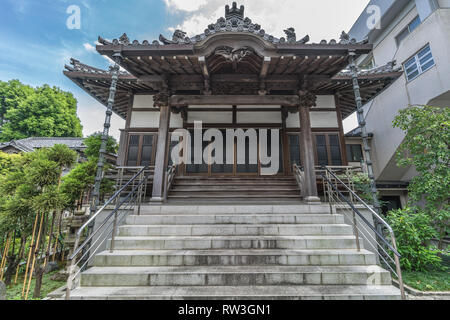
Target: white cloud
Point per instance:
(321, 19)
(185, 5)
(89, 47)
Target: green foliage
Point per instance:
(78, 181)
(436, 281)
(361, 183)
(93, 143)
(41, 112)
(14, 292)
(413, 231)
(12, 93)
(427, 148)
(81, 178)
(62, 155)
(6, 162)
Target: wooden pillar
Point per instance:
(307, 100)
(161, 159)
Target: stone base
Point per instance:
(313, 200)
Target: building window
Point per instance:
(410, 28)
(328, 150)
(141, 150)
(354, 153)
(418, 64)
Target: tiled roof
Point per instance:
(30, 144)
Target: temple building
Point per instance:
(234, 75)
(249, 218)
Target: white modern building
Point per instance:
(416, 35)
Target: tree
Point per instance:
(12, 93)
(81, 178)
(29, 198)
(93, 143)
(427, 147)
(43, 112)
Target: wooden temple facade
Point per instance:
(233, 76)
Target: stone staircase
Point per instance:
(207, 189)
(235, 252)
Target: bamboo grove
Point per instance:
(34, 197)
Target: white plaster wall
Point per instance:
(326, 102)
(258, 107)
(293, 120)
(211, 117)
(324, 120)
(258, 117)
(176, 121)
(444, 3)
(212, 107)
(143, 102)
(144, 120)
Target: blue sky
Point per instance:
(35, 42)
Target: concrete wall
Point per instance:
(434, 84)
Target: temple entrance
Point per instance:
(252, 165)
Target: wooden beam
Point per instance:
(186, 100)
(265, 67)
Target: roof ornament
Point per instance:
(178, 37)
(292, 37)
(345, 39)
(234, 12)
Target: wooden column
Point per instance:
(310, 193)
(161, 158)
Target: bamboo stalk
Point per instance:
(29, 254)
(57, 237)
(34, 256)
(50, 237)
(5, 256)
(22, 250)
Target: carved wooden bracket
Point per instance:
(307, 99)
(161, 99)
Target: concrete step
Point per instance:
(236, 230)
(275, 209)
(234, 242)
(142, 258)
(262, 198)
(235, 183)
(303, 292)
(261, 179)
(235, 219)
(234, 276)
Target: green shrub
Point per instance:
(413, 231)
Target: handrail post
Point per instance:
(72, 267)
(113, 236)
(398, 268)
(355, 230)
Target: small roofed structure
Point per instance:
(34, 143)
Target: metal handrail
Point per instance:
(392, 247)
(110, 201)
(126, 204)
